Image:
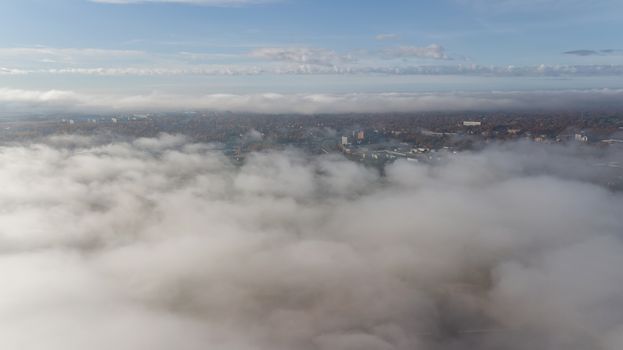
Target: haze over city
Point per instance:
(311, 174)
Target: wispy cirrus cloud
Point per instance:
(387, 36)
(51, 56)
(537, 5)
(189, 2)
(56, 51)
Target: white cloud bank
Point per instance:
(15, 101)
(29, 57)
(433, 51)
(301, 55)
(159, 244)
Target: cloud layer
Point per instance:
(433, 51)
(584, 52)
(16, 101)
(321, 57)
(161, 243)
(390, 60)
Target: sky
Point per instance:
(163, 243)
(132, 49)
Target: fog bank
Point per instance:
(162, 243)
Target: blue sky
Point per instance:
(131, 47)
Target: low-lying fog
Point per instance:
(163, 244)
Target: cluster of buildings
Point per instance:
(359, 136)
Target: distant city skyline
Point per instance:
(135, 49)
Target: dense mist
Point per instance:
(165, 244)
